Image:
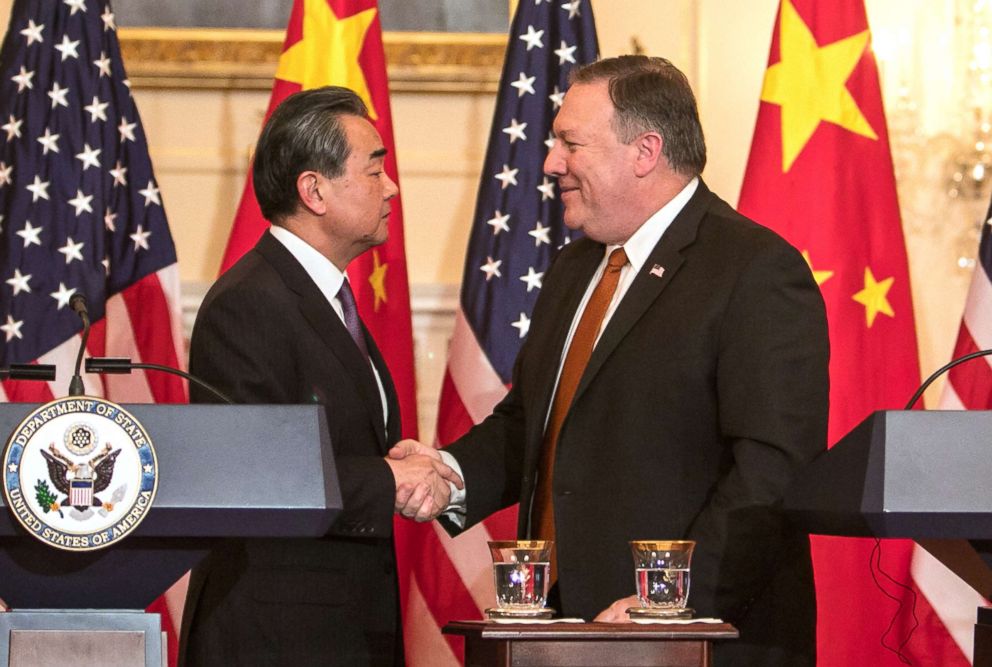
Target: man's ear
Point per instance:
(648, 147)
(312, 193)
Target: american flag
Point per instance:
(969, 387)
(80, 209)
(516, 230)
(81, 212)
(518, 216)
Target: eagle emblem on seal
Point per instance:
(80, 482)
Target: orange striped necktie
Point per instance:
(576, 360)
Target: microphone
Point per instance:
(940, 371)
(123, 366)
(42, 372)
(78, 304)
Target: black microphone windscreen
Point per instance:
(78, 303)
(43, 372)
(113, 365)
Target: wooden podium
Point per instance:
(488, 644)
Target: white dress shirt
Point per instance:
(328, 279)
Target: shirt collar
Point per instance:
(639, 246)
(320, 269)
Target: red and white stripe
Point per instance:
(452, 578)
(968, 387)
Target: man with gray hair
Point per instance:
(673, 380)
(281, 326)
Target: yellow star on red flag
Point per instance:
(809, 83)
(328, 53)
(377, 279)
(874, 297)
(819, 276)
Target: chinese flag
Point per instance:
(339, 43)
(820, 173)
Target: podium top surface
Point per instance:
(913, 474)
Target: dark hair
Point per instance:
(302, 134)
(652, 94)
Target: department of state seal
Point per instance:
(79, 473)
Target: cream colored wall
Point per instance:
(5, 6)
(200, 141)
(440, 146)
(730, 68)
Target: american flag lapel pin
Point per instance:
(657, 270)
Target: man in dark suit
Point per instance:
(281, 327)
(673, 380)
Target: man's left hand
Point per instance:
(617, 612)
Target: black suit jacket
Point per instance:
(266, 334)
(705, 393)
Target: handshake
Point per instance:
(422, 480)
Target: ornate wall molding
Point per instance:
(246, 59)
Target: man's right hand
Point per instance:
(422, 480)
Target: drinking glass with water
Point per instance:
(661, 572)
(521, 570)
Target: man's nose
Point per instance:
(391, 188)
(554, 163)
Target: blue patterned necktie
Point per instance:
(351, 319)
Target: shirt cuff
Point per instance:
(456, 508)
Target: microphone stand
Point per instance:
(940, 371)
(123, 366)
(78, 304)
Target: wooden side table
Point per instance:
(489, 644)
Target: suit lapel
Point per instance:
(329, 327)
(646, 287)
